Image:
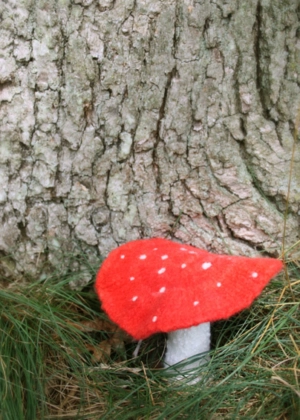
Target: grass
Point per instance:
(62, 359)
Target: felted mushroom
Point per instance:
(156, 285)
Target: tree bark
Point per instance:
(123, 119)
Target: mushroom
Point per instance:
(156, 285)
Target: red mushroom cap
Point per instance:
(155, 285)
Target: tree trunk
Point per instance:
(123, 119)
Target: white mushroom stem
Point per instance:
(186, 343)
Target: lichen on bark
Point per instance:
(123, 119)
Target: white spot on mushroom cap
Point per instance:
(183, 265)
(162, 290)
(134, 298)
(122, 257)
(154, 319)
(183, 249)
(192, 252)
(131, 278)
(206, 265)
(142, 257)
(164, 257)
(161, 270)
(219, 284)
(254, 275)
(154, 249)
(196, 303)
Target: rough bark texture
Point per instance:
(123, 119)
